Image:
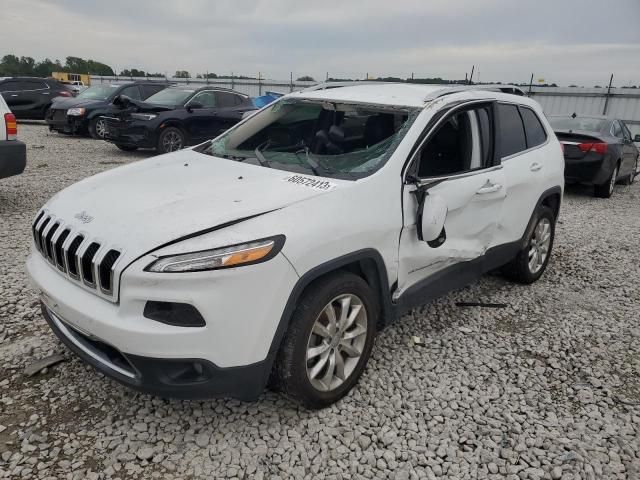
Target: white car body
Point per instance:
(188, 202)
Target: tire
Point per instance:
(520, 269)
(126, 148)
(307, 380)
(632, 176)
(605, 190)
(96, 128)
(170, 139)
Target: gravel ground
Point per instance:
(547, 387)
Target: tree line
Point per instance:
(27, 66)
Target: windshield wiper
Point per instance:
(311, 163)
(260, 157)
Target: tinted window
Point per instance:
(98, 92)
(12, 86)
(625, 130)
(170, 96)
(226, 99)
(462, 143)
(511, 136)
(533, 128)
(148, 90)
(206, 99)
(616, 130)
(589, 124)
(131, 92)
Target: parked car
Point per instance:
(13, 153)
(598, 151)
(29, 97)
(76, 86)
(280, 248)
(174, 118)
(83, 114)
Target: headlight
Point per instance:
(234, 256)
(143, 116)
(75, 112)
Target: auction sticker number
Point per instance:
(316, 184)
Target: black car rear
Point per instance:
(175, 118)
(597, 151)
(83, 114)
(30, 97)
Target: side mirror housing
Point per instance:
(434, 214)
(636, 138)
(194, 106)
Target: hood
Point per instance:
(140, 207)
(73, 102)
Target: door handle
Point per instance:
(535, 167)
(490, 188)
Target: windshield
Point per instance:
(589, 124)
(98, 92)
(170, 96)
(320, 138)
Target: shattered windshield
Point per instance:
(329, 139)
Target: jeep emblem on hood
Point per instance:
(83, 216)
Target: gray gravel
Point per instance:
(548, 387)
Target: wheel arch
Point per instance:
(366, 263)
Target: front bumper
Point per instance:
(59, 121)
(130, 133)
(242, 308)
(13, 158)
(169, 378)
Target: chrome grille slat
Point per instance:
(88, 261)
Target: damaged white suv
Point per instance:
(279, 249)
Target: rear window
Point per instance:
(588, 124)
(533, 128)
(512, 136)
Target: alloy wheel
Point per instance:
(612, 183)
(336, 342)
(172, 141)
(100, 128)
(539, 245)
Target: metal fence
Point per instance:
(622, 103)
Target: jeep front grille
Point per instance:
(89, 262)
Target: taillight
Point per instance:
(65, 93)
(11, 125)
(600, 148)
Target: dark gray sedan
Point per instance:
(598, 151)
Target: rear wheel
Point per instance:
(170, 140)
(126, 148)
(532, 260)
(97, 128)
(605, 190)
(329, 340)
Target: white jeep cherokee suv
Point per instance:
(279, 249)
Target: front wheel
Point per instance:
(97, 128)
(531, 262)
(170, 140)
(329, 340)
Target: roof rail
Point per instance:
(446, 90)
(353, 83)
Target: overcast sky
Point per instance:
(562, 41)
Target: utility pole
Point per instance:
(606, 98)
(473, 67)
(530, 85)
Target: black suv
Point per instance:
(175, 117)
(82, 114)
(30, 97)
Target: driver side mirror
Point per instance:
(431, 219)
(194, 106)
(636, 138)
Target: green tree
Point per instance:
(305, 78)
(182, 74)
